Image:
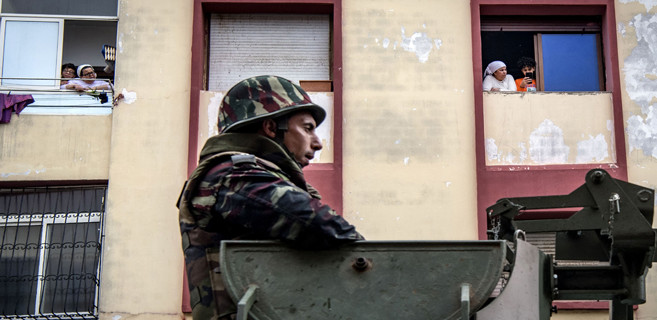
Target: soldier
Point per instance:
(249, 185)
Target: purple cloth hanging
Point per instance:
(13, 103)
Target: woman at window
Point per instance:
(496, 78)
(68, 73)
(87, 80)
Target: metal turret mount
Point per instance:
(456, 279)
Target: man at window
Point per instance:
(249, 185)
(87, 80)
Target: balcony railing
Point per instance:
(50, 99)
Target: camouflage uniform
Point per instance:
(247, 186)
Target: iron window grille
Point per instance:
(50, 251)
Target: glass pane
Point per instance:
(62, 7)
(71, 264)
(30, 51)
(570, 62)
(18, 268)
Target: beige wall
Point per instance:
(548, 128)
(408, 121)
(637, 50)
(142, 268)
(408, 126)
(408, 130)
(55, 147)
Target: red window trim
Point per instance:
(328, 182)
(513, 181)
(487, 175)
(327, 177)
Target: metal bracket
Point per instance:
(465, 301)
(247, 301)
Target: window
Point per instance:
(296, 47)
(567, 49)
(313, 29)
(50, 240)
(38, 36)
(538, 144)
(544, 143)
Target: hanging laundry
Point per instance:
(13, 103)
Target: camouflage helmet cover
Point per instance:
(263, 97)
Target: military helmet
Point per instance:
(263, 97)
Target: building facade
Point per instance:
(414, 149)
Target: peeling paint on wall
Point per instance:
(593, 149)
(621, 29)
(547, 145)
(213, 113)
(640, 69)
(419, 43)
(515, 156)
(647, 3)
(492, 150)
(512, 158)
(26, 173)
(119, 43)
(642, 133)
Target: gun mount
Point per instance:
(614, 225)
(456, 279)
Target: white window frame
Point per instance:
(55, 101)
(59, 53)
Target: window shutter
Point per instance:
(296, 47)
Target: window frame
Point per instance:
(539, 26)
(51, 100)
(47, 204)
(496, 181)
(327, 177)
(47, 220)
(60, 51)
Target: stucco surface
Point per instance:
(51, 147)
(548, 128)
(142, 267)
(408, 128)
(637, 48)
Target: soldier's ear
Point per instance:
(269, 128)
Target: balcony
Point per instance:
(63, 135)
(50, 99)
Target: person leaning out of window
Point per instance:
(496, 78)
(68, 73)
(87, 80)
(528, 67)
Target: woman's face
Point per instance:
(68, 73)
(500, 73)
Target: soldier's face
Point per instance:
(301, 138)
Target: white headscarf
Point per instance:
(81, 67)
(493, 66)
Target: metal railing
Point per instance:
(50, 95)
(50, 251)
